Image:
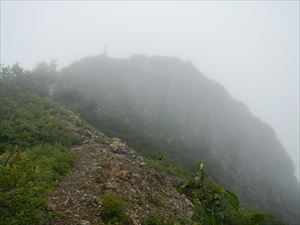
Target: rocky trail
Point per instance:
(103, 165)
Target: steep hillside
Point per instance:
(165, 105)
(34, 152)
(55, 168)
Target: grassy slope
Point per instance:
(33, 155)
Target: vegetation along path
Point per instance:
(104, 166)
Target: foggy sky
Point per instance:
(251, 48)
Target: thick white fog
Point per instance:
(251, 48)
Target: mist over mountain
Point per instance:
(165, 105)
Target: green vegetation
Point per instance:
(33, 150)
(140, 200)
(113, 209)
(165, 165)
(217, 206)
(26, 180)
(159, 219)
(157, 200)
(214, 204)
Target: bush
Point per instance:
(214, 204)
(30, 121)
(152, 219)
(33, 142)
(112, 209)
(157, 200)
(164, 165)
(26, 181)
(159, 219)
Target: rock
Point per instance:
(67, 201)
(175, 205)
(135, 222)
(189, 203)
(50, 207)
(123, 174)
(118, 147)
(85, 142)
(84, 222)
(142, 164)
(111, 185)
(131, 151)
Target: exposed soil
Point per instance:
(104, 165)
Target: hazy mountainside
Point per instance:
(162, 104)
(57, 169)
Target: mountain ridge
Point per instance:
(171, 97)
(163, 108)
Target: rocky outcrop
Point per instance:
(103, 165)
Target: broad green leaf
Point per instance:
(232, 199)
(257, 218)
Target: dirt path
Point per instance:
(77, 196)
(104, 165)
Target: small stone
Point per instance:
(111, 185)
(85, 142)
(84, 222)
(67, 201)
(189, 203)
(142, 164)
(50, 207)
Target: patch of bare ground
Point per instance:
(103, 165)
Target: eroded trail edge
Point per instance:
(104, 165)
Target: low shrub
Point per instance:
(157, 200)
(112, 209)
(163, 164)
(26, 180)
(159, 219)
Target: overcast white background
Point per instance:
(251, 48)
